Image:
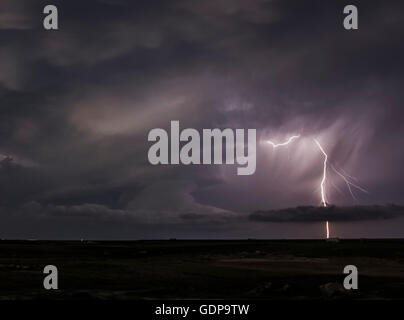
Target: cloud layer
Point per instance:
(332, 213)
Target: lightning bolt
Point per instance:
(345, 177)
(348, 183)
(276, 145)
(322, 184)
(323, 180)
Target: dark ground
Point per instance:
(250, 269)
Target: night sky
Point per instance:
(77, 104)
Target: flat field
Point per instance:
(182, 269)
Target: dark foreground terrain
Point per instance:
(175, 269)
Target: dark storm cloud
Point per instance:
(16, 15)
(76, 105)
(332, 213)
